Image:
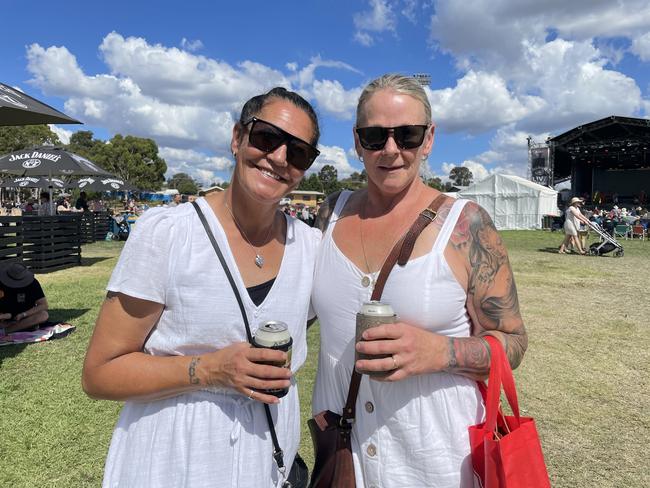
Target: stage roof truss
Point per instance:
(612, 142)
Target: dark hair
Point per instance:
(255, 105)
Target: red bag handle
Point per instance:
(500, 375)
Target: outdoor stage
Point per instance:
(608, 156)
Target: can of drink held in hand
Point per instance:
(372, 314)
(275, 334)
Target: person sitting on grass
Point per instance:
(23, 305)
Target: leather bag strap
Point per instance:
(399, 254)
(278, 455)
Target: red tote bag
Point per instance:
(506, 452)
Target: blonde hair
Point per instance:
(406, 85)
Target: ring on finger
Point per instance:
(395, 365)
(250, 395)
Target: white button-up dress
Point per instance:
(410, 433)
(214, 437)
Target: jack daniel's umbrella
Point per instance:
(104, 183)
(48, 161)
(33, 182)
(17, 108)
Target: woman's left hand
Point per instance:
(412, 350)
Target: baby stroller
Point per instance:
(606, 244)
(120, 228)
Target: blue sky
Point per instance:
(178, 72)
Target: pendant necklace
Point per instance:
(259, 259)
(368, 279)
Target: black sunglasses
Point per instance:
(268, 137)
(406, 136)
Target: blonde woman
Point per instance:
(412, 415)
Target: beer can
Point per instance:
(275, 334)
(372, 314)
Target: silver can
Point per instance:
(275, 334)
(372, 314)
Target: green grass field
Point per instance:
(584, 378)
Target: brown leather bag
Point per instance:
(331, 433)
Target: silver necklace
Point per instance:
(259, 259)
(370, 280)
(365, 280)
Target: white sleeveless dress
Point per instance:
(410, 433)
(215, 436)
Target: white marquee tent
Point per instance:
(513, 202)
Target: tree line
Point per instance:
(133, 159)
(136, 160)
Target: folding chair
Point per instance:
(622, 230)
(638, 231)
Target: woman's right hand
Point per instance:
(241, 367)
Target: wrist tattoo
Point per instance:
(453, 361)
(469, 355)
(194, 380)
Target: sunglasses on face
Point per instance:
(405, 136)
(267, 138)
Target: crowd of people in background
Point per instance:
(61, 204)
(301, 212)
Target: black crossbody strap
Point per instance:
(278, 455)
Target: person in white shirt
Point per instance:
(170, 341)
(412, 415)
(573, 220)
(46, 207)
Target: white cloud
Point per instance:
(64, 134)
(306, 76)
(549, 63)
(206, 178)
(335, 99)
(479, 172)
(507, 154)
(334, 156)
(201, 166)
(641, 46)
(364, 39)
(380, 18)
(191, 45)
(479, 102)
(177, 77)
(186, 102)
(506, 24)
(409, 10)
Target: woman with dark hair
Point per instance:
(412, 414)
(169, 339)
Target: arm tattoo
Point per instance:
(468, 355)
(491, 286)
(194, 380)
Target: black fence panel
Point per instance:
(102, 225)
(11, 238)
(51, 243)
